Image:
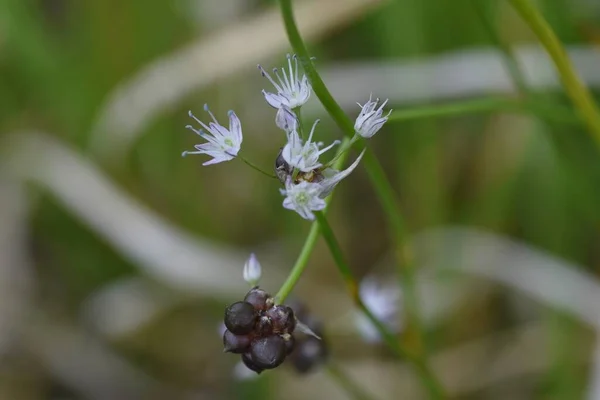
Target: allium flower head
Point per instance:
(371, 118)
(292, 91)
(252, 270)
(222, 144)
(304, 156)
(383, 301)
(304, 198)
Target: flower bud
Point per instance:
(252, 270)
(235, 343)
(258, 298)
(286, 119)
(240, 318)
(268, 352)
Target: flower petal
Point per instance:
(329, 183)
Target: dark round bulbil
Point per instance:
(248, 362)
(264, 326)
(240, 318)
(268, 352)
(236, 343)
(283, 318)
(258, 298)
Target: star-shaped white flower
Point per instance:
(371, 118)
(304, 156)
(304, 198)
(383, 300)
(292, 91)
(333, 177)
(222, 144)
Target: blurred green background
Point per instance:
(117, 256)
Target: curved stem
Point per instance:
(578, 93)
(426, 374)
(384, 192)
(257, 168)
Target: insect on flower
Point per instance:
(304, 156)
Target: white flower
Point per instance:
(222, 144)
(370, 119)
(252, 270)
(303, 198)
(291, 90)
(304, 156)
(333, 177)
(286, 119)
(383, 300)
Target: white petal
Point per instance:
(275, 100)
(328, 184)
(235, 128)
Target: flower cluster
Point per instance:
(307, 180)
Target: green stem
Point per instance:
(426, 374)
(552, 112)
(309, 243)
(257, 168)
(349, 385)
(383, 189)
(578, 93)
(298, 112)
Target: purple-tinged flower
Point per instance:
(292, 91)
(371, 118)
(304, 198)
(304, 156)
(222, 144)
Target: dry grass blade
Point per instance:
(547, 279)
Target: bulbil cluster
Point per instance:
(260, 330)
